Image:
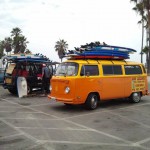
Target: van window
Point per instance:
(67, 69)
(108, 70)
(90, 70)
(112, 70)
(117, 70)
(132, 69)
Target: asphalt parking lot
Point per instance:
(35, 123)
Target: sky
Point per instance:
(43, 22)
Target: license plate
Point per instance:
(7, 80)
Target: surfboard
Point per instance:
(22, 86)
(103, 53)
(107, 47)
(97, 57)
(115, 48)
(100, 52)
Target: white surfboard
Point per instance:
(22, 86)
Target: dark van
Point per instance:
(28, 66)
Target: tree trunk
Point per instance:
(148, 54)
(148, 12)
(142, 41)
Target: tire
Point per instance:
(29, 89)
(13, 91)
(135, 97)
(68, 105)
(91, 101)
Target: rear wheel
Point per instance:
(92, 101)
(135, 97)
(29, 89)
(13, 91)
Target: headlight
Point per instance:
(67, 90)
(50, 88)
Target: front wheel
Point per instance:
(68, 105)
(92, 101)
(135, 97)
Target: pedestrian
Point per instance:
(46, 74)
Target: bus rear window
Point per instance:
(132, 69)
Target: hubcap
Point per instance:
(93, 102)
(136, 97)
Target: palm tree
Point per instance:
(23, 44)
(28, 51)
(145, 51)
(7, 44)
(19, 41)
(61, 47)
(146, 4)
(146, 9)
(1, 49)
(16, 32)
(139, 8)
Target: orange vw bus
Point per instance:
(89, 81)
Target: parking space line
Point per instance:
(135, 109)
(6, 111)
(40, 144)
(39, 105)
(91, 113)
(101, 111)
(139, 104)
(23, 133)
(20, 131)
(143, 141)
(85, 143)
(100, 132)
(95, 144)
(28, 119)
(147, 126)
(64, 129)
(10, 136)
(31, 108)
(9, 106)
(97, 131)
(30, 112)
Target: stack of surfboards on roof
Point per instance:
(28, 57)
(100, 51)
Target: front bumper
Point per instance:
(63, 100)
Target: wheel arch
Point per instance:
(97, 94)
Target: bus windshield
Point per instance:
(67, 69)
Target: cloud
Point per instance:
(44, 22)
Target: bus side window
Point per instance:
(112, 69)
(117, 70)
(89, 70)
(132, 69)
(107, 69)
